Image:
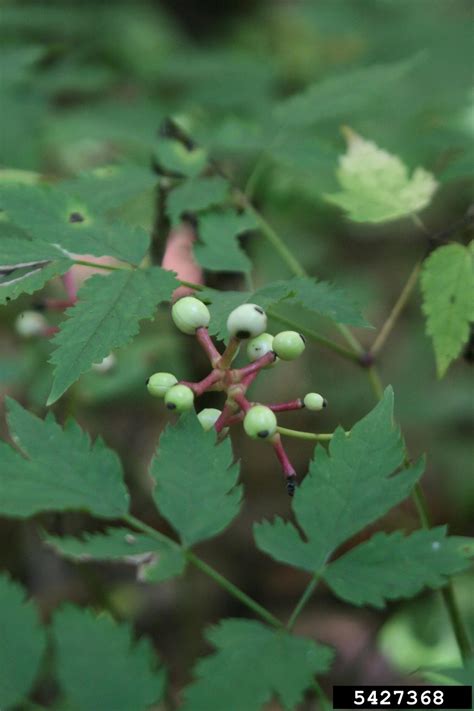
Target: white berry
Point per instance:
(189, 314)
(314, 401)
(30, 323)
(289, 345)
(247, 321)
(105, 364)
(179, 398)
(259, 346)
(158, 384)
(260, 422)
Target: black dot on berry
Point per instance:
(302, 338)
(263, 434)
(260, 311)
(171, 406)
(76, 217)
(243, 334)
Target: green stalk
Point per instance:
(204, 567)
(302, 601)
(297, 434)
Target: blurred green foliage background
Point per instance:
(85, 84)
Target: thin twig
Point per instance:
(397, 309)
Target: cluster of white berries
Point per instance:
(247, 322)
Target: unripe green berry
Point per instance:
(179, 398)
(30, 323)
(259, 346)
(289, 345)
(189, 314)
(208, 417)
(158, 384)
(314, 401)
(260, 421)
(247, 321)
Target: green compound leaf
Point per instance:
(157, 560)
(253, 664)
(50, 215)
(342, 95)
(174, 157)
(447, 284)
(218, 248)
(388, 567)
(195, 195)
(27, 280)
(106, 316)
(62, 471)
(347, 488)
(110, 186)
(195, 481)
(22, 646)
(26, 265)
(100, 666)
(376, 186)
(318, 296)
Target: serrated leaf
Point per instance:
(106, 316)
(218, 248)
(346, 488)
(393, 566)
(176, 158)
(110, 186)
(342, 95)
(100, 666)
(48, 214)
(62, 471)
(158, 560)
(318, 296)
(27, 280)
(23, 643)
(195, 195)
(376, 186)
(17, 252)
(199, 500)
(447, 284)
(253, 664)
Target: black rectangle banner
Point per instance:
(402, 697)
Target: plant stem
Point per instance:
(95, 265)
(309, 333)
(273, 237)
(208, 570)
(375, 381)
(457, 622)
(233, 590)
(302, 601)
(397, 309)
(297, 434)
(325, 702)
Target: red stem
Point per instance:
(223, 419)
(283, 406)
(205, 341)
(205, 384)
(257, 365)
(286, 465)
(242, 401)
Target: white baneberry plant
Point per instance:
(81, 253)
